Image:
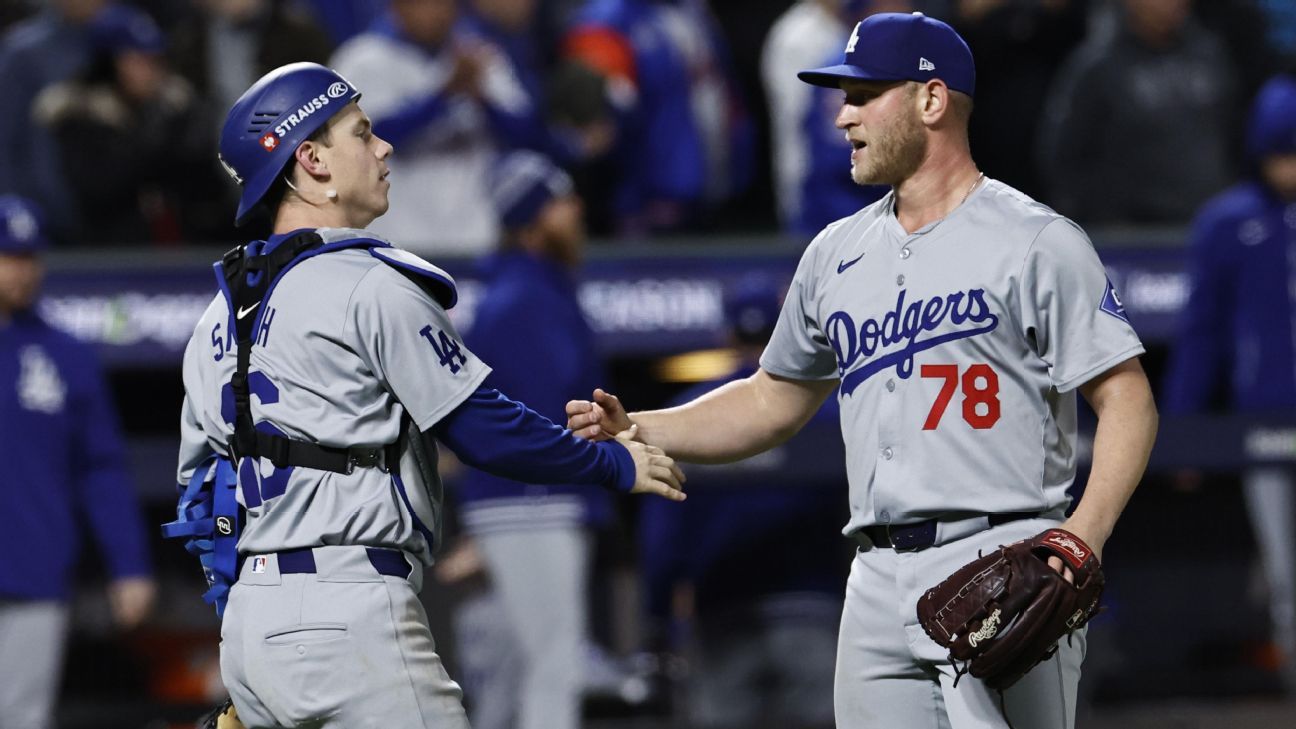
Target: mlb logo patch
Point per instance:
(258, 565)
(1111, 303)
(269, 141)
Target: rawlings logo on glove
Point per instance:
(1004, 613)
(987, 629)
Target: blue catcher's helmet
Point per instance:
(271, 119)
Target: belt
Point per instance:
(302, 561)
(921, 535)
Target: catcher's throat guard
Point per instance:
(209, 520)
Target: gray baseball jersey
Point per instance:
(958, 348)
(345, 347)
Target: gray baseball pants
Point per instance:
(529, 669)
(33, 635)
(343, 647)
(890, 674)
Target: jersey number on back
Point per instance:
(447, 350)
(980, 394)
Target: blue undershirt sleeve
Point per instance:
(490, 432)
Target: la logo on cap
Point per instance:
(850, 45)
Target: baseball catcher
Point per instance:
(1005, 612)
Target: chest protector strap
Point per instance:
(248, 279)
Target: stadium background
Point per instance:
(1183, 643)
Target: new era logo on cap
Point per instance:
(925, 65)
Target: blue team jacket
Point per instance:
(63, 466)
(659, 146)
(1237, 326)
(530, 330)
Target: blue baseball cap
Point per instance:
(118, 28)
(1272, 127)
(522, 182)
(20, 226)
(271, 119)
(901, 47)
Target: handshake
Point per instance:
(604, 418)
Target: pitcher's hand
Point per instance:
(602, 419)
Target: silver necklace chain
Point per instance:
(968, 194)
(895, 204)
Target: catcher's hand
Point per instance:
(222, 717)
(1003, 613)
(655, 472)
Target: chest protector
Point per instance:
(210, 518)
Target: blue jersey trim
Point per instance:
(446, 292)
(326, 248)
(418, 523)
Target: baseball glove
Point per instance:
(222, 717)
(1005, 612)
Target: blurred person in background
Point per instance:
(133, 141)
(683, 143)
(1280, 27)
(1236, 344)
(226, 45)
(745, 577)
(1020, 45)
(346, 18)
(523, 643)
(811, 183)
(65, 470)
(519, 29)
(1137, 124)
(1253, 36)
(513, 26)
(12, 11)
(52, 46)
(448, 100)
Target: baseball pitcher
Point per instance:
(959, 318)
